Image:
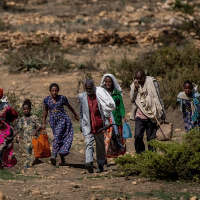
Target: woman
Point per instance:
(189, 101)
(7, 113)
(6, 146)
(59, 122)
(114, 143)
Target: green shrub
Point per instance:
(35, 58)
(172, 160)
(171, 66)
(185, 8)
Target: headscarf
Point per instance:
(1, 93)
(116, 84)
(195, 104)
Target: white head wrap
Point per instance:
(116, 84)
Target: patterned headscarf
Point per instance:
(1, 93)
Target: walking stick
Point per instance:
(154, 115)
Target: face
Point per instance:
(54, 92)
(140, 78)
(188, 89)
(89, 89)
(26, 110)
(108, 83)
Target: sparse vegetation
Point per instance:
(172, 161)
(171, 66)
(184, 7)
(166, 195)
(35, 58)
(8, 175)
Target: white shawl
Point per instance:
(106, 101)
(116, 84)
(147, 99)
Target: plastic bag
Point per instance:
(41, 146)
(127, 130)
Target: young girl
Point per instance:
(60, 123)
(29, 125)
(190, 105)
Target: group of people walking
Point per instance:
(101, 116)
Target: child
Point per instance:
(190, 105)
(29, 125)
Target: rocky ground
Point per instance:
(88, 32)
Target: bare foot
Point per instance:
(35, 162)
(1, 166)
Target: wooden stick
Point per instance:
(154, 116)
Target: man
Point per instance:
(145, 94)
(95, 107)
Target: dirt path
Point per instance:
(72, 181)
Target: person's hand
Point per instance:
(76, 117)
(34, 133)
(43, 126)
(124, 118)
(136, 86)
(163, 117)
(108, 126)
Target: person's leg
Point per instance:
(100, 151)
(29, 157)
(151, 129)
(89, 152)
(62, 159)
(139, 134)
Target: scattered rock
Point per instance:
(166, 7)
(55, 192)
(134, 183)
(95, 175)
(82, 151)
(36, 192)
(96, 187)
(194, 198)
(102, 14)
(129, 9)
(175, 22)
(75, 185)
(170, 2)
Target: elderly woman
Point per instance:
(115, 145)
(6, 146)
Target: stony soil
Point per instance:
(89, 32)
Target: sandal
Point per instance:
(53, 161)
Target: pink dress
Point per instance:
(6, 146)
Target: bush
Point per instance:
(171, 66)
(35, 58)
(185, 8)
(173, 161)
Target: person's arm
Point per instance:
(80, 113)
(73, 111)
(37, 125)
(122, 109)
(156, 84)
(45, 117)
(134, 91)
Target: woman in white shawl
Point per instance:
(115, 145)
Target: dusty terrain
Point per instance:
(90, 33)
